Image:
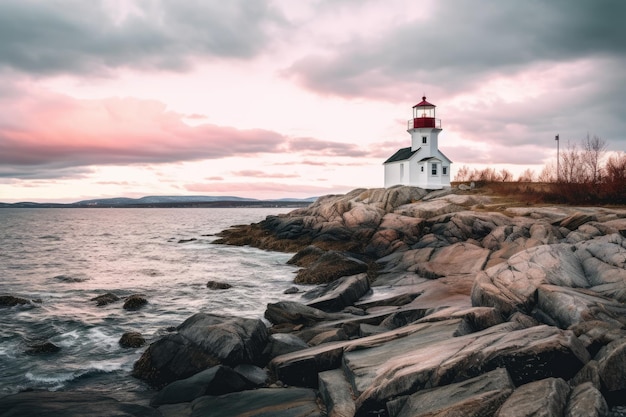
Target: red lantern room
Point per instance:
(424, 116)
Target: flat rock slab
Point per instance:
(480, 396)
(69, 404)
(264, 402)
(528, 354)
(301, 368)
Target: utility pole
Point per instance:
(558, 172)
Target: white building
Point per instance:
(422, 164)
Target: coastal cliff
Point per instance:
(414, 303)
(498, 302)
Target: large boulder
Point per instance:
(544, 398)
(586, 401)
(11, 301)
(293, 312)
(281, 344)
(612, 367)
(340, 294)
(202, 341)
(217, 380)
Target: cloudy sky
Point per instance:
(282, 98)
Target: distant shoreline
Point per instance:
(190, 204)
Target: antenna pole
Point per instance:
(558, 171)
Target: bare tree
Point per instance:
(506, 175)
(548, 173)
(463, 174)
(593, 150)
(527, 176)
(615, 178)
(572, 167)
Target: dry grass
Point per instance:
(511, 194)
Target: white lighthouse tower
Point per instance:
(423, 164)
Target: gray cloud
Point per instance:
(75, 36)
(463, 43)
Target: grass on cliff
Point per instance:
(538, 193)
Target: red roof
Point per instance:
(424, 103)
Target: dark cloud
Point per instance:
(462, 44)
(75, 36)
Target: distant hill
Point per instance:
(123, 201)
(171, 201)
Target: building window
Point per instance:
(422, 168)
(424, 140)
(434, 169)
(401, 172)
(444, 170)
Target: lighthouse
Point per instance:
(422, 164)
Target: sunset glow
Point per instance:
(274, 99)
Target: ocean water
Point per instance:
(62, 258)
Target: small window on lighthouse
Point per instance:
(444, 170)
(434, 169)
(424, 140)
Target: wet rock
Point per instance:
(329, 267)
(217, 380)
(216, 285)
(281, 344)
(105, 299)
(193, 239)
(253, 375)
(479, 396)
(42, 348)
(544, 398)
(69, 404)
(135, 302)
(341, 293)
(132, 340)
(202, 341)
(171, 358)
(292, 290)
(11, 301)
(297, 313)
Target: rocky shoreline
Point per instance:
(445, 303)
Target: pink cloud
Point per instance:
(262, 174)
(45, 129)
